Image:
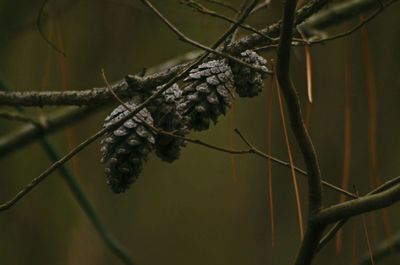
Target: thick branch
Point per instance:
(359, 206)
(29, 132)
(273, 30)
(90, 96)
(36, 181)
(385, 249)
(338, 13)
(332, 232)
(101, 95)
(314, 231)
(294, 109)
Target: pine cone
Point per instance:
(249, 82)
(166, 117)
(207, 95)
(126, 148)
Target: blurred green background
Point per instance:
(196, 210)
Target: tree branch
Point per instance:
(314, 230)
(87, 97)
(358, 206)
(350, 31)
(203, 10)
(102, 95)
(273, 30)
(384, 249)
(79, 195)
(223, 4)
(213, 50)
(293, 105)
(8, 204)
(337, 13)
(28, 133)
(332, 232)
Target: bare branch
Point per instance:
(314, 230)
(386, 248)
(41, 32)
(112, 127)
(293, 105)
(261, 6)
(273, 30)
(337, 13)
(17, 116)
(203, 10)
(332, 232)
(358, 206)
(223, 4)
(381, 7)
(78, 193)
(102, 95)
(252, 149)
(28, 133)
(184, 38)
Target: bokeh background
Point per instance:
(203, 208)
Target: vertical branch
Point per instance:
(314, 230)
(294, 110)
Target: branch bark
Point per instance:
(359, 206)
(101, 95)
(26, 134)
(386, 248)
(314, 230)
(338, 13)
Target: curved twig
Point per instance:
(314, 230)
(41, 32)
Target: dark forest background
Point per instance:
(202, 209)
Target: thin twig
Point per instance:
(184, 38)
(103, 74)
(56, 121)
(79, 195)
(355, 28)
(112, 127)
(17, 116)
(86, 206)
(223, 4)
(41, 32)
(261, 6)
(203, 10)
(365, 229)
(384, 249)
(101, 95)
(252, 149)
